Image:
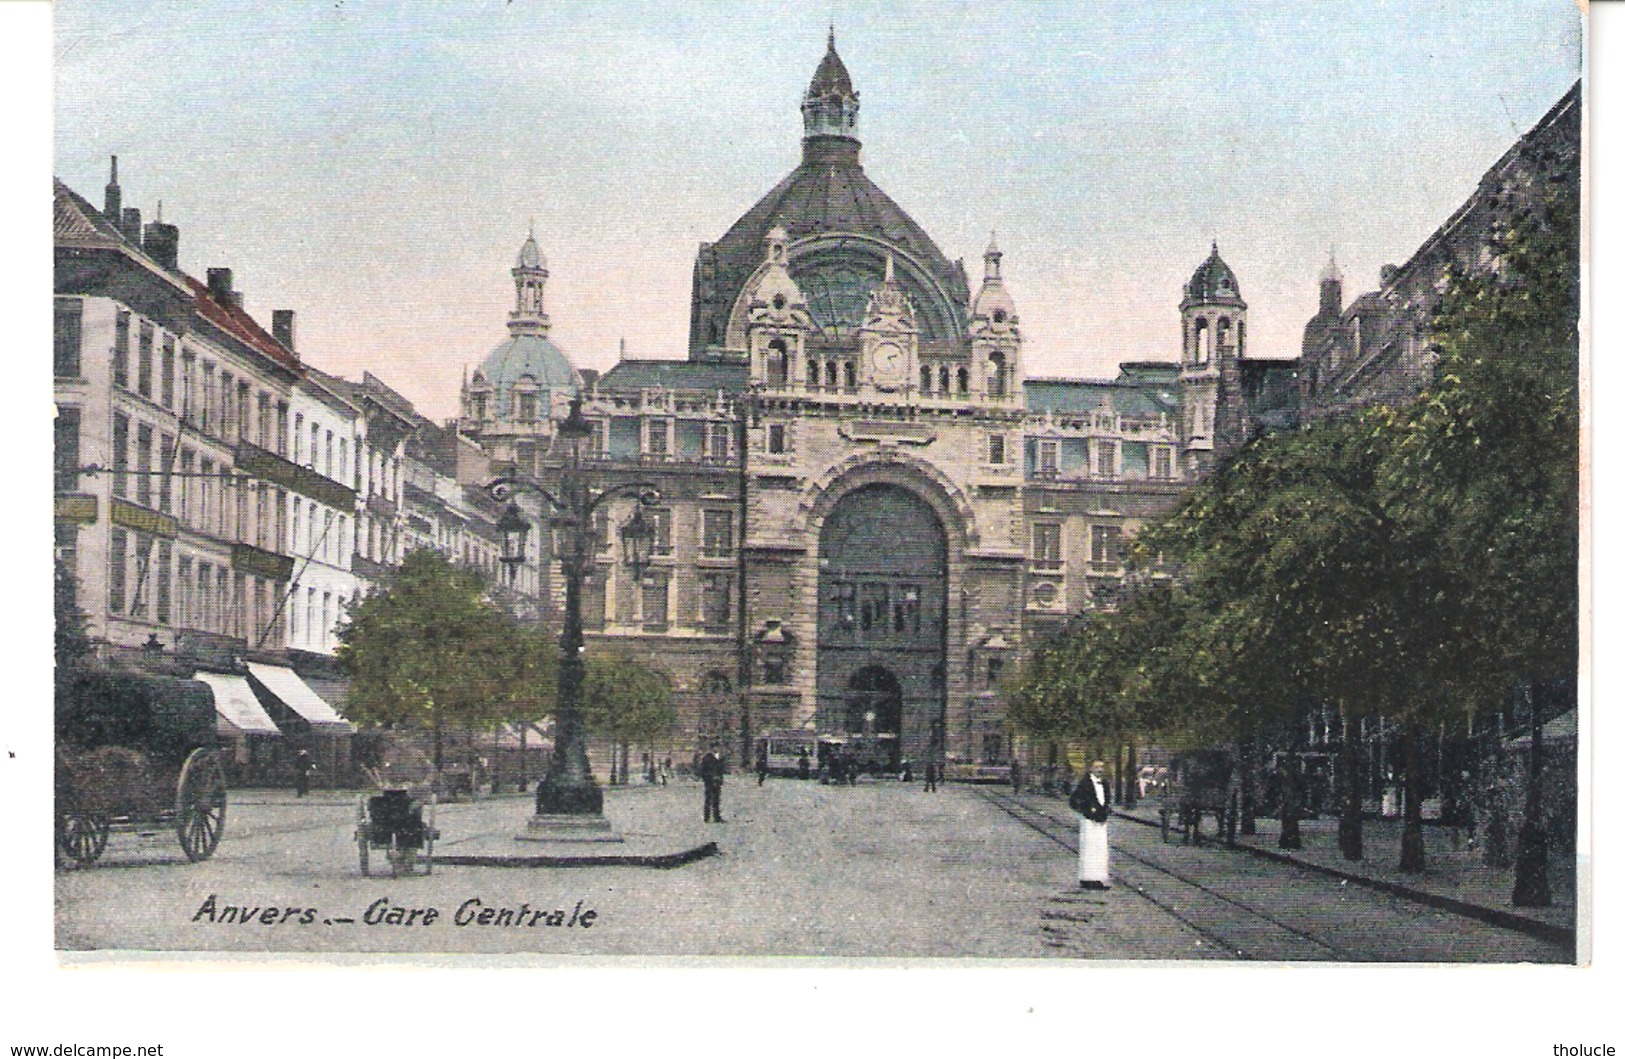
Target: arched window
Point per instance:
(849, 372)
(925, 378)
(942, 380)
(831, 370)
(1223, 337)
(778, 363)
(1201, 342)
(962, 381)
(995, 374)
(812, 372)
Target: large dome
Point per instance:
(828, 196)
(527, 360)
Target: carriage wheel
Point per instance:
(81, 837)
(200, 804)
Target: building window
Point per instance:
(849, 375)
(143, 564)
(344, 458)
(66, 448)
(778, 363)
(299, 437)
(166, 465)
(184, 618)
(717, 535)
(143, 465)
(1105, 457)
(873, 614)
(656, 431)
(718, 440)
(328, 456)
(243, 412)
(121, 349)
(67, 337)
(117, 551)
(1049, 458)
(906, 609)
(1162, 462)
(282, 429)
(776, 438)
(143, 362)
(995, 375)
(527, 408)
(121, 455)
(67, 546)
(660, 521)
(165, 557)
(1106, 545)
(1047, 545)
(925, 378)
(184, 487)
(166, 387)
(831, 370)
(209, 416)
(654, 601)
(995, 449)
(188, 369)
(716, 602)
(812, 374)
(962, 381)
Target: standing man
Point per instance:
(761, 765)
(301, 772)
(930, 773)
(1089, 802)
(710, 770)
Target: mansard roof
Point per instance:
(707, 376)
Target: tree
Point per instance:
(429, 650)
(625, 700)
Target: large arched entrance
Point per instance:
(882, 612)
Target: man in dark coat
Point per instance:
(930, 774)
(710, 770)
(301, 772)
(761, 766)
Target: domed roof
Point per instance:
(831, 77)
(1213, 282)
(532, 355)
(530, 255)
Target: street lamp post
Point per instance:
(569, 802)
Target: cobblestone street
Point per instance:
(878, 870)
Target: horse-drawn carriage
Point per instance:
(1200, 782)
(394, 823)
(136, 754)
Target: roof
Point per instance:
(533, 355)
(831, 77)
(1088, 395)
(241, 326)
(77, 224)
(676, 375)
(1213, 282)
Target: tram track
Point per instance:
(1235, 927)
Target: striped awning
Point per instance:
(237, 711)
(296, 695)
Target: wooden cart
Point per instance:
(137, 754)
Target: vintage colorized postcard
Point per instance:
(904, 481)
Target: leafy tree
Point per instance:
(429, 650)
(624, 699)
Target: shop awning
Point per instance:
(296, 695)
(237, 711)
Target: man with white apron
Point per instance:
(1089, 802)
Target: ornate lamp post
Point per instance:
(569, 803)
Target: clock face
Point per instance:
(889, 366)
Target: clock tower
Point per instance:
(889, 339)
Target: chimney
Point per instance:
(130, 224)
(114, 198)
(220, 284)
(163, 242)
(282, 326)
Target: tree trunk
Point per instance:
(1291, 835)
(1117, 767)
(1350, 821)
(1531, 886)
(1412, 858)
(439, 751)
(524, 728)
(1133, 794)
(1249, 818)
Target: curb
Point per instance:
(1535, 928)
(614, 860)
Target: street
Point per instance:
(877, 870)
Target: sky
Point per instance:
(375, 166)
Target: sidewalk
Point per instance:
(1454, 879)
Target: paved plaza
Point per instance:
(880, 870)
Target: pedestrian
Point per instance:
(710, 770)
(1015, 776)
(931, 774)
(761, 766)
(301, 772)
(803, 765)
(907, 771)
(1089, 802)
(665, 771)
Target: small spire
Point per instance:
(114, 178)
(623, 347)
(160, 219)
(890, 277)
(832, 33)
